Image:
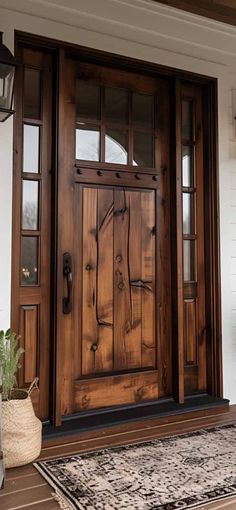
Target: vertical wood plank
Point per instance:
(90, 261)
(148, 227)
(201, 311)
(177, 257)
(105, 210)
(122, 298)
(190, 332)
(164, 236)
(65, 348)
(135, 278)
(29, 341)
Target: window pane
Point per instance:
(32, 99)
(188, 214)
(116, 146)
(187, 167)
(143, 149)
(116, 105)
(88, 143)
(143, 110)
(87, 100)
(187, 120)
(30, 205)
(31, 149)
(6, 86)
(29, 261)
(189, 260)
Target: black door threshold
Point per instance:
(92, 420)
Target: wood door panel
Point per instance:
(122, 293)
(118, 282)
(115, 390)
(89, 301)
(29, 318)
(148, 280)
(190, 331)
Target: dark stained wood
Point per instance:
(177, 257)
(149, 347)
(153, 336)
(190, 332)
(115, 390)
(29, 331)
(112, 327)
(195, 308)
(163, 425)
(90, 263)
(25, 486)
(122, 296)
(104, 354)
(164, 237)
(212, 248)
(65, 323)
(31, 304)
(220, 10)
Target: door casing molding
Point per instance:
(61, 49)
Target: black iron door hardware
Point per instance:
(67, 272)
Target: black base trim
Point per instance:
(92, 420)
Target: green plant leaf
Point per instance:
(10, 354)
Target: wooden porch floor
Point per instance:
(26, 489)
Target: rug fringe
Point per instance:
(62, 502)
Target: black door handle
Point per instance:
(67, 272)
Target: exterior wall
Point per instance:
(145, 30)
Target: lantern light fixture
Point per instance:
(8, 65)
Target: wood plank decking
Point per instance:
(26, 489)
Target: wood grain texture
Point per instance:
(194, 326)
(190, 332)
(89, 303)
(152, 300)
(29, 341)
(148, 273)
(116, 390)
(118, 318)
(220, 10)
(20, 480)
(122, 297)
(35, 331)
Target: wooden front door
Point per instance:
(114, 229)
(114, 281)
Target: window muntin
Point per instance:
(114, 125)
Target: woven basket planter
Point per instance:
(21, 430)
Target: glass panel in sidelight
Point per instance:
(29, 260)
(143, 110)
(143, 150)
(30, 205)
(187, 167)
(116, 149)
(189, 260)
(87, 100)
(187, 120)
(87, 142)
(31, 149)
(188, 214)
(32, 93)
(116, 105)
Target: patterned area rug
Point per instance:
(167, 474)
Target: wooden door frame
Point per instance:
(58, 48)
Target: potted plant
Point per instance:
(21, 429)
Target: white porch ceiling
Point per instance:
(140, 21)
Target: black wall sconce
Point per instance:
(8, 65)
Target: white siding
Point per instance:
(150, 31)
